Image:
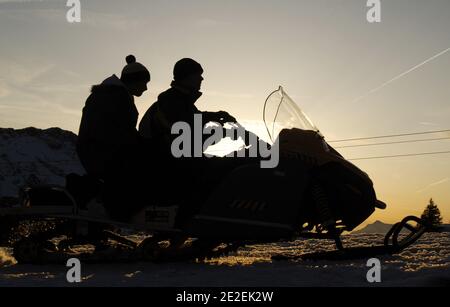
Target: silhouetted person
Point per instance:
(178, 104)
(194, 178)
(108, 124)
(109, 145)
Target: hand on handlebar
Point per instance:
(224, 117)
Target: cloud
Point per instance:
(376, 89)
(4, 89)
(23, 74)
(433, 185)
(22, 108)
(30, 5)
(209, 23)
(111, 21)
(55, 12)
(42, 107)
(229, 95)
(65, 110)
(33, 87)
(3, 2)
(427, 124)
(32, 72)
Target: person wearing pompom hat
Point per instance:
(110, 116)
(107, 135)
(135, 76)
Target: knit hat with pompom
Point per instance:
(134, 71)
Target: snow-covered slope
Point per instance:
(33, 155)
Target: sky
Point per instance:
(353, 78)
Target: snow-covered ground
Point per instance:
(426, 263)
(31, 155)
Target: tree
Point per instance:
(431, 215)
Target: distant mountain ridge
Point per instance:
(382, 228)
(32, 155)
(376, 227)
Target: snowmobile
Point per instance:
(313, 193)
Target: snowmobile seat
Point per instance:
(83, 188)
(46, 196)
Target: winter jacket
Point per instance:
(173, 105)
(108, 126)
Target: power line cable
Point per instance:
(404, 155)
(388, 136)
(389, 143)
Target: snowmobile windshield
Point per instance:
(281, 112)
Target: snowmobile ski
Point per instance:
(393, 244)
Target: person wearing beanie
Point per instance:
(107, 135)
(135, 76)
(178, 104)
